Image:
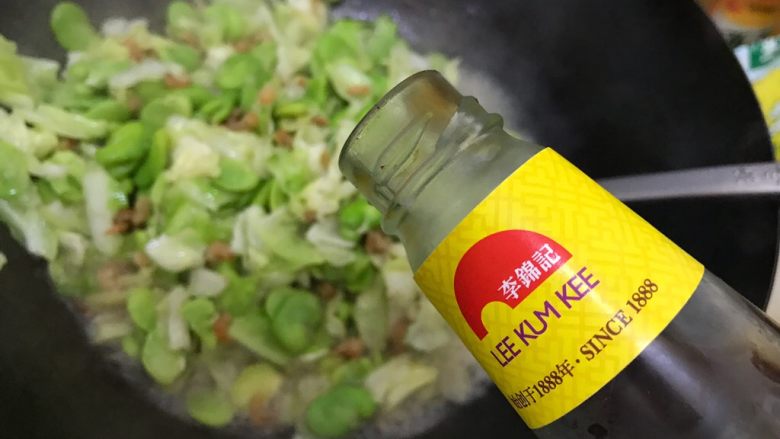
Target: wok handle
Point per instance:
(755, 179)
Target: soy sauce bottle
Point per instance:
(590, 321)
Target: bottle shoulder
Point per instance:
(457, 189)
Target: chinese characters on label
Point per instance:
(531, 394)
(529, 272)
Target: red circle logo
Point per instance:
(504, 267)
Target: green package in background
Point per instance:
(761, 62)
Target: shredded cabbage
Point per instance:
(64, 123)
(178, 330)
(98, 187)
(185, 185)
(399, 379)
(176, 253)
(429, 331)
(160, 361)
(14, 89)
(206, 283)
(35, 233)
(371, 318)
(337, 251)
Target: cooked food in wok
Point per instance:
(183, 188)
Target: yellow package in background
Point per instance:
(761, 62)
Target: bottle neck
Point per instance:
(405, 141)
(469, 126)
(425, 156)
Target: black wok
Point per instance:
(617, 87)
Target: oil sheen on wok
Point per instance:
(591, 322)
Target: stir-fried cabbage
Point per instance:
(184, 187)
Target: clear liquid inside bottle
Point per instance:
(426, 156)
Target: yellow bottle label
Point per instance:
(555, 286)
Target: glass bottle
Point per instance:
(428, 158)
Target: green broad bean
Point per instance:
(357, 217)
(253, 332)
(382, 39)
(184, 55)
(178, 11)
(353, 372)
(67, 189)
(127, 146)
(156, 161)
(317, 90)
(77, 71)
(290, 110)
(265, 120)
(235, 71)
(221, 114)
(14, 179)
(157, 112)
(296, 320)
(320, 345)
(72, 27)
(248, 95)
(255, 381)
(263, 194)
(266, 53)
(181, 18)
(291, 173)
(141, 306)
(125, 186)
(45, 191)
(101, 72)
(379, 83)
(110, 110)
(240, 295)
(202, 192)
(210, 407)
(131, 345)
(373, 216)
(160, 361)
(217, 109)
(348, 233)
(360, 274)
(96, 73)
(141, 237)
(329, 273)
(277, 198)
(74, 96)
(150, 90)
(345, 39)
(353, 215)
(72, 161)
(328, 364)
(235, 176)
(243, 200)
(339, 411)
(276, 298)
(200, 313)
(197, 95)
(231, 22)
(191, 217)
(122, 171)
(344, 311)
